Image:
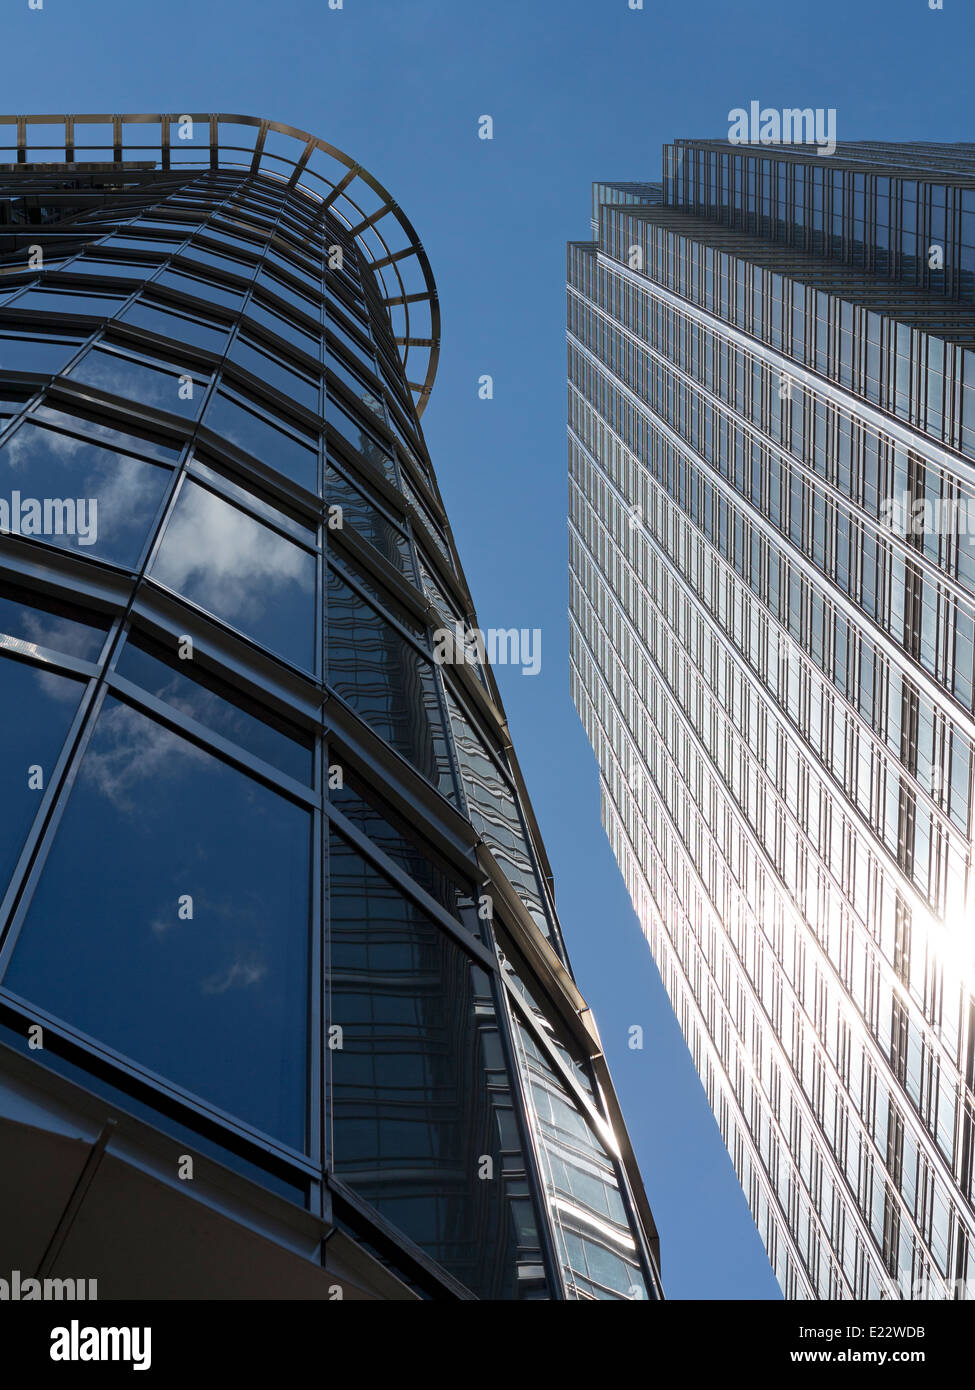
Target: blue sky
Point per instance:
(578, 90)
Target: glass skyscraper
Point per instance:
(772, 572)
(284, 1003)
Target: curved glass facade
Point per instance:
(271, 883)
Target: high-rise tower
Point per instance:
(284, 1005)
(772, 552)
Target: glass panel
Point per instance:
(277, 287)
(262, 439)
(145, 243)
(360, 439)
(372, 524)
(386, 681)
(197, 256)
(423, 1122)
(598, 1250)
(29, 621)
(46, 355)
(351, 343)
(38, 707)
(286, 329)
(127, 270)
(182, 327)
(200, 289)
(392, 835)
(223, 936)
(242, 571)
(83, 496)
(494, 813)
(162, 386)
(208, 700)
(270, 370)
(78, 420)
(65, 302)
(365, 393)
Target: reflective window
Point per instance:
(352, 343)
(210, 701)
(366, 518)
(38, 707)
(183, 327)
(257, 435)
(291, 295)
(286, 329)
(101, 306)
(200, 289)
(148, 381)
(29, 621)
(390, 684)
(126, 897)
(194, 257)
(359, 437)
(11, 404)
(598, 1251)
(45, 355)
(146, 243)
(126, 270)
(78, 495)
(367, 394)
(231, 264)
(387, 830)
(81, 421)
(494, 812)
(420, 1093)
(265, 367)
(241, 571)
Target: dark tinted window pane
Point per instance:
(269, 369)
(285, 328)
(132, 243)
(37, 621)
(290, 295)
(350, 342)
(358, 436)
(36, 354)
(212, 337)
(128, 270)
(261, 438)
(197, 255)
(420, 1093)
(388, 831)
(64, 302)
(386, 681)
(208, 700)
(103, 501)
(78, 420)
(38, 707)
(201, 289)
(226, 1016)
(494, 812)
(365, 393)
(161, 386)
(372, 524)
(242, 571)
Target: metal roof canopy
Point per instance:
(191, 140)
